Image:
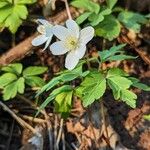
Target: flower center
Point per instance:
(71, 43)
(41, 29)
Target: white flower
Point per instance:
(72, 41)
(45, 30)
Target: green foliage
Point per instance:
(132, 20)
(65, 76)
(93, 12)
(114, 54)
(109, 28)
(120, 85)
(13, 12)
(63, 103)
(147, 117)
(136, 83)
(53, 95)
(111, 3)
(13, 79)
(92, 88)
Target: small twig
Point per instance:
(18, 119)
(63, 140)
(59, 133)
(32, 119)
(67, 9)
(55, 130)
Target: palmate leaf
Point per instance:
(92, 88)
(109, 28)
(63, 103)
(15, 68)
(34, 70)
(132, 20)
(6, 79)
(119, 83)
(11, 16)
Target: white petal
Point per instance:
(73, 26)
(80, 51)
(39, 40)
(49, 32)
(58, 48)
(86, 34)
(61, 32)
(48, 42)
(71, 60)
(43, 21)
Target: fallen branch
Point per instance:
(22, 49)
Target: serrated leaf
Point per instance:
(121, 57)
(95, 19)
(87, 5)
(116, 72)
(105, 11)
(34, 81)
(63, 103)
(121, 82)
(54, 93)
(105, 54)
(111, 3)
(34, 70)
(92, 88)
(64, 77)
(109, 28)
(6, 79)
(13, 68)
(136, 83)
(132, 20)
(129, 98)
(10, 91)
(83, 17)
(20, 85)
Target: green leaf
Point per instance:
(34, 81)
(64, 77)
(11, 16)
(34, 70)
(26, 1)
(63, 103)
(21, 85)
(83, 17)
(105, 54)
(109, 28)
(132, 20)
(116, 72)
(95, 19)
(129, 98)
(87, 5)
(105, 11)
(92, 88)
(121, 57)
(10, 91)
(64, 88)
(136, 83)
(6, 79)
(13, 68)
(111, 3)
(146, 117)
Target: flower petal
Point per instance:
(61, 32)
(73, 26)
(43, 21)
(48, 42)
(71, 60)
(86, 34)
(80, 51)
(39, 40)
(58, 48)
